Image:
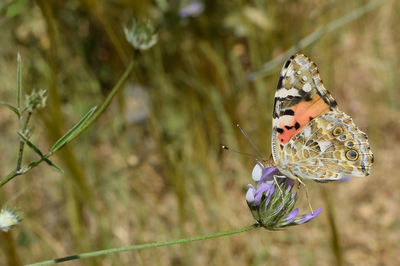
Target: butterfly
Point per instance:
(311, 137)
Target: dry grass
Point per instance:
(160, 175)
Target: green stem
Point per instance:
(10, 176)
(19, 88)
(144, 246)
(109, 98)
(22, 143)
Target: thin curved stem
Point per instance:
(144, 246)
(96, 115)
(110, 96)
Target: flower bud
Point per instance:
(36, 100)
(141, 34)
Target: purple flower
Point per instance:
(273, 206)
(191, 9)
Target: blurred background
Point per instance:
(151, 168)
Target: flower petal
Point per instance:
(268, 173)
(250, 194)
(307, 217)
(8, 219)
(261, 189)
(290, 217)
(257, 173)
(270, 193)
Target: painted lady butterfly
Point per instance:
(311, 137)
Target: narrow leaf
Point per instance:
(12, 108)
(19, 89)
(73, 132)
(53, 165)
(30, 144)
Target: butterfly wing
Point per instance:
(330, 147)
(305, 117)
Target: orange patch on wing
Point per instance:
(311, 109)
(286, 135)
(304, 112)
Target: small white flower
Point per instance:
(8, 219)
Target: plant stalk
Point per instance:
(144, 246)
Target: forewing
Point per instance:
(300, 97)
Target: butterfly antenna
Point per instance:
(250, 141)
(239, 152)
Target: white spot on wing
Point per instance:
(307, 132)
(301, 61)
(282, 93)
(286, 120)
(319, 88)
(324, 145)
(307, 87)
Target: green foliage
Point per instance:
(14, 7)
(73, 132)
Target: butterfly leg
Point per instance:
(279, 187)
(308, 200)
